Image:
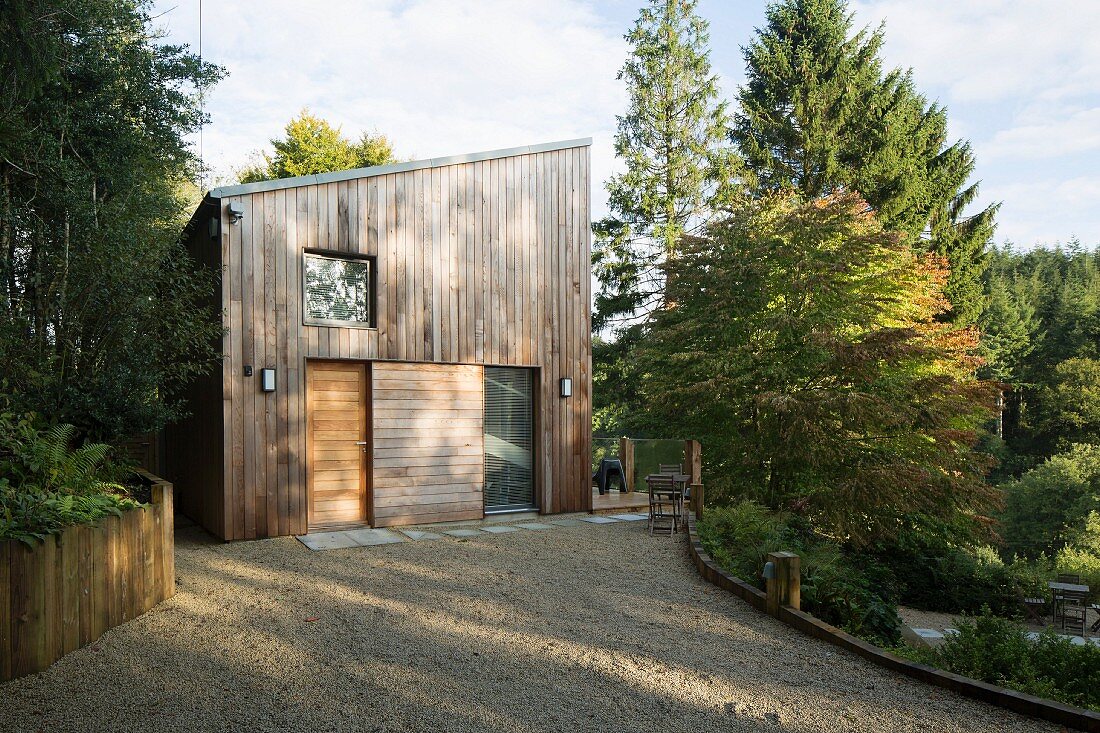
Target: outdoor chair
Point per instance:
(1073, 617)
(1069, 604)
(1095, 624)
(664, 504)
(1033, 609)
(1060, 597)
(676, 469)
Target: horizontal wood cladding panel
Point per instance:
(476, 263)
(436, 467)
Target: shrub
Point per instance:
(45, 485)
(1079, 562)
(938, 576)
(1046, 507)
(997, 651)
(834, 588)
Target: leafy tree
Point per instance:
(312, 145)
(101, 310)
(1050, 504)
(679, 167)
(1068, 407)
(803, 350)
(819, 114)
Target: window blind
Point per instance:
(509, 439)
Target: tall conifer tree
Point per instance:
(819, 114)
(673, 141)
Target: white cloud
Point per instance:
(1048, 210)
(1052, 134)
(437, 77)
(992, 50)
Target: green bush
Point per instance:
(45, 485)
(995, 650)
(936, 575)
(1080, 562)
(835, 588)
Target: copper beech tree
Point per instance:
(801, 344)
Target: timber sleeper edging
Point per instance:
(1036, 707)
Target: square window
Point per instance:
(337, 290)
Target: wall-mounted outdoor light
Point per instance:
(267, 380)
(213, 227)
(566, 387)
(236, 211)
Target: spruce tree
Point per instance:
(819, 114)
(673, 141)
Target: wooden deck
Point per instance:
(616, 501)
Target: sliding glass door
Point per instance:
(509, 439)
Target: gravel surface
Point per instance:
(587, 628)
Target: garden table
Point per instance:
(680, 482)
(1060, 588)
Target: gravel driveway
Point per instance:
(587, 628)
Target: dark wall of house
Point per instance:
(193, 447)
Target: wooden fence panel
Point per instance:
(64, 592)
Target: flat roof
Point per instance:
(378, 170)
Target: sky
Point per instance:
(1020, 79)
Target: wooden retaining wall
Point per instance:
(1037, 707)
(67, 590)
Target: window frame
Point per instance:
(372, 290)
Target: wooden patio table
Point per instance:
(1055, 587)
(680, 482)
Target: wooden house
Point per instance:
(403, 344)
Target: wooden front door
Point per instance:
(337, 400)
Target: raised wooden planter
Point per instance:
(66, 591)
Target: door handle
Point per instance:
(361, 442)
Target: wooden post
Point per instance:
(626, 456)
(785, 589)
(697, 500)
(693, 461)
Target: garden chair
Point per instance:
(1034, 609)
(670, 468)
(1069, 578)
(1095, 624)
(664, 505)
(1073, 616)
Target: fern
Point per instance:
(46, 485)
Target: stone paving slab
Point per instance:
(328, 541)
(463, 532)
(369, 537)
(417, 535)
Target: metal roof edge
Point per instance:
(379, 170)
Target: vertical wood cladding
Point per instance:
(483, 262)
